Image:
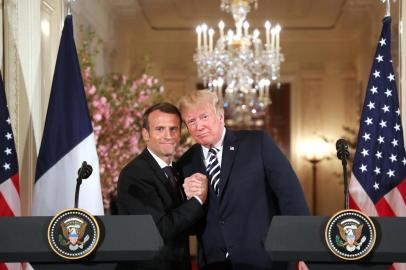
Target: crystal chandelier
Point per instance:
(239, 61)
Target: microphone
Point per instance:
(83, 173)
(343, 154)
(342, 149)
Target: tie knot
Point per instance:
(213, 151)
(168, 170)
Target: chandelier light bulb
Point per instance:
(221, 27)
(246, 26)
(199, 37)
(211, 34)
(256, 33)
(204, 27)
(267, 25)
(230, 35)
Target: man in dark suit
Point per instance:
(250, 181)
(149, 185)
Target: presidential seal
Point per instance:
(350, 234)
(73, 234)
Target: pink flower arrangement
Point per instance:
(116, 105)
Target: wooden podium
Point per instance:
(122, 238)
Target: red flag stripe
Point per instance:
(395, 200)
(361, 198)
(384, 208)
(402, 190)
(11, 196)
(16, 181)
(5, 208)
(353, 204)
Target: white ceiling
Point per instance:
(293, 15)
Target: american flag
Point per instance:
(9, 181)
(378, 180)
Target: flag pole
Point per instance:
(69, 6)
(387, 7)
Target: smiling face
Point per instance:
(204, 123)
(163, 135)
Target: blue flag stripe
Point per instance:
(67, 121)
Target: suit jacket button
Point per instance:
(221, 222)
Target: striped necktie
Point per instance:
(213, 169)
(170, 173)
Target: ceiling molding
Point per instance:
(330, 27)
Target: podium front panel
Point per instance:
(292, 238)
(123, 238)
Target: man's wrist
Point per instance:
(198, 199)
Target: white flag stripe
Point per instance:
(396, 202)
(14, 266)
(59, 182)
(400, 266)
(10, 194)
(361, 198)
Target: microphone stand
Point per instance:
(346, 189)
(343, 155)
(78, 183)
(84, 172)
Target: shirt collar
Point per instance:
(160, 162)
(218, 145)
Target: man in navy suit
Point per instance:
(250, 181)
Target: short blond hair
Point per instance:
(201, 97)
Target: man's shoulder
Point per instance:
(193, 151)
(242, 135)
(138, 162)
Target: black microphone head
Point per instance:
(85, 170)
(88, 171)
(341, 143)
(342, 149)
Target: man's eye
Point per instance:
(190, 122)
(159, 129)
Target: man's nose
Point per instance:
(199, 125)
(168, 134)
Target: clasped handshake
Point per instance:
(196, 186)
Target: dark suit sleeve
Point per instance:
(282, 179)
(139, 196)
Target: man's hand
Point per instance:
(196, 185)
(302, 266)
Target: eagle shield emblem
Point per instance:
(350, 235)
(73, 234)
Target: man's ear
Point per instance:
(221, 115)
(145, 134)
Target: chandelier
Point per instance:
(239, 62)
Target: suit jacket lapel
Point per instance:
(230, 147)
(159, 173)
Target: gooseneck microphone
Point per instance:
(343, 154)
(83, 173)
(342, 150)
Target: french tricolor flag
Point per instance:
(67, 140)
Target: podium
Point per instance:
(122, 238)
(296, 238)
